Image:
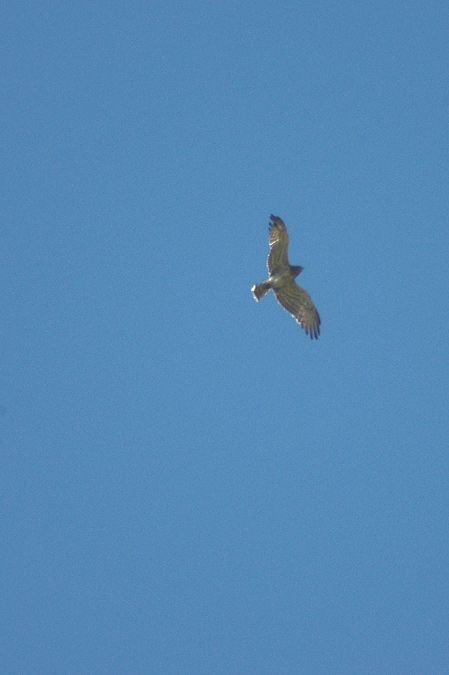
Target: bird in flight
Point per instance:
(281, 280)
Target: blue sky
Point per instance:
(189, 483)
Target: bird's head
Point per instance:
(296, 269)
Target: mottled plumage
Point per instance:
(289, 295)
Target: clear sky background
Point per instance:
(189, 483)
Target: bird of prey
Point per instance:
(281, 280)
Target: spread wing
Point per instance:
(277, 258)
(298, 302)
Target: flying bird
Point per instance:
(281, 280)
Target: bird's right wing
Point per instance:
(277, 258)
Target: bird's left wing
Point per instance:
(298, 302)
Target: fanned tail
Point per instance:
(259, 290)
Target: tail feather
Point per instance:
(259, 290)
